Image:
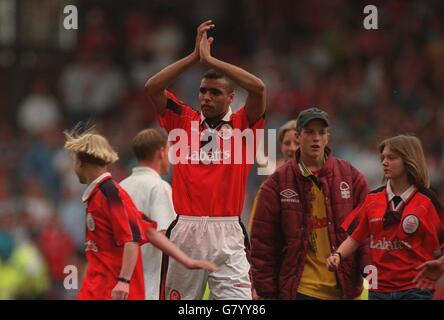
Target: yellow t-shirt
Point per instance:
(316, 280)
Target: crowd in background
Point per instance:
(373, 84)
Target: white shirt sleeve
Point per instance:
(161, 207)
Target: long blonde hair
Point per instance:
(289, 125)
(89, 146)
(410, 149)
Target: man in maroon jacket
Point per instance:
(298, 217)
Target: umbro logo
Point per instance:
(288, 195)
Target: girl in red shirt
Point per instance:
(402, 220)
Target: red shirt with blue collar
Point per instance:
(111, 221)
(397, 249)
(203, 185)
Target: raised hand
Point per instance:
(205, 48)
(201, 30)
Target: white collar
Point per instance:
(404, 196)
(137, 171)
(226, 117)
(93, 185)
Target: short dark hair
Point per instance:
(213, 74)
(147, 142)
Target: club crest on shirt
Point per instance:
(225, 131)
(175, 295)
(345, 190)
(90, 223)
(410, 224)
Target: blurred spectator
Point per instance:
(39, 110)
(72, 216)
(37, 206)
(23, 273)
(105, 87)
(38, 162)
(73, 81)
(97, 36)
(57, 248)
(29, 271)
(11, 148)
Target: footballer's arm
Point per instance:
(161, 242)
(129, 260)
(155, 87)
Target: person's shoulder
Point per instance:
(377, 191)
(133, 181)
(285, 166)
(431, 196)
(127, 181)
(240, 115)
(110, 189)
(144, 183)
(282, 172)
(373, 197)
(179, 107)
(376, 194)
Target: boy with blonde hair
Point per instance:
(114, 226)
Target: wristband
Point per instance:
(121, 279)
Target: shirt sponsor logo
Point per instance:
(410, 224)
(345, 190)
(384, 244)
(225, 131)
(289, 195)
(215, 156)
(91, 246)
(90, 223)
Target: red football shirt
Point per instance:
(111, 220)
(398, 249)
(203, 185)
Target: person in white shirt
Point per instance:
(152, 196)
